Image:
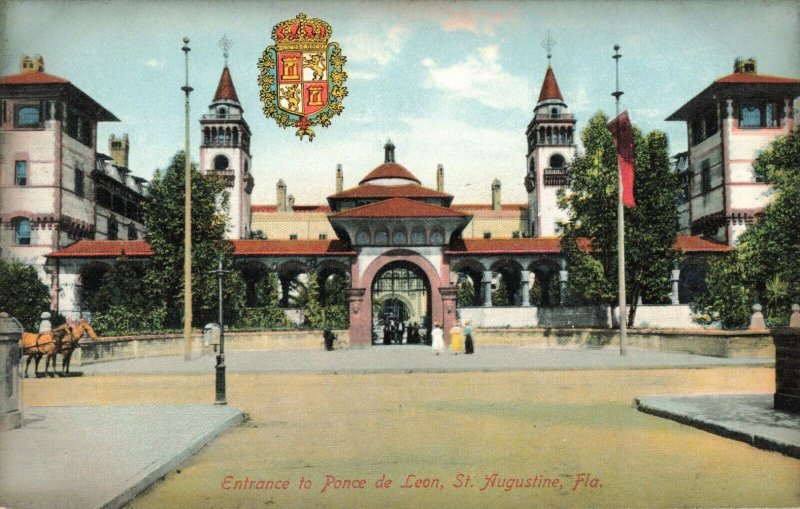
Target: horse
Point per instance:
(77, 330)
(37, 345)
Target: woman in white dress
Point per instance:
(437, 339)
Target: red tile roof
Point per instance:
(225, 90)
(696, 244)
(469, 207)
(399, 207)
(756, 78)
(550, 88)
(31, 78)
(549, 245)
(390, 171)
(291, 247)
(103, 249)
(401, 191)
(324, 209)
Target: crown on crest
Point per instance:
(302, 33)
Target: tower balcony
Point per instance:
(555, 177)
(557, 116)
(223, 116)
(228, 176)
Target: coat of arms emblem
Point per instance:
(301, 76)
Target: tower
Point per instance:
(551, 146)
(225, 151)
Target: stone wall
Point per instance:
(656, 317)
(787, 369)
(133, 347)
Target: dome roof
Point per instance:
(390, 170)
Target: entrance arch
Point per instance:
(441, 295)
(401, 299)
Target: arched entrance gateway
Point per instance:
(401, 307)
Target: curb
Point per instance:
(754, 440)
(156, 472)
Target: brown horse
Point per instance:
(70, 343)
(36, 345)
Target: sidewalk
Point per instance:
(413, 358)
(101, 457)
(749, 418)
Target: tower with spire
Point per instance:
(225, 151)
(551, 147)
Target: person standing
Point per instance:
(437, 339)
(469, 341)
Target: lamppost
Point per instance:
(220, 368)
(187, 221)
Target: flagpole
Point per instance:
(623, 308)
(187, 222)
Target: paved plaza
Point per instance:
(561, 418)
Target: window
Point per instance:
(292, 236)
(21, 173)
(487, 235)
(418, 236)
(557, 161)
(103, 198)
(132, 234)
(704, 126)
(437, 237)
(381, 238)
(362, 237)
(113, 229)
(78, 179)
(22, 231)
(753, 114)
(515, 234)
(705, 176)
(399, 238)
(323, 236)
(220, 163)
(29, 115)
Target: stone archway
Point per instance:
(442, 295)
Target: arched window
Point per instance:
(220, 162)
(418, 236)
(399, 238)
(549, 135)
(206, 136)
(222, 111)
(437, 238)
(235, 136)
(362, 237)
(220, 136)
(541, 135)
(556, 161)
(228, 136)
(554, 112)
(113, 229)
(22, 231)
(381, 237)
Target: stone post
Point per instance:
(757, 320)
(794, 320)
(10, 398)
(563, 277)
(449, 296)
(526, 283)
(360, 318)
(674, 295)
(45, 325)
(487, 288)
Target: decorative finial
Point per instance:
(226, 44)
(548, 44)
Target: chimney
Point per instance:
(290, 207)
(496, 194)
(389, 152)
(440, 178)
(281, 191)
(339, 179)
(742, 66)
(118, 148)
(28, 64)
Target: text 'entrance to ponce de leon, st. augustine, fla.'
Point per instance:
(401, 305)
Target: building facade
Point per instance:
(728, 124)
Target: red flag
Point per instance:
(622, 131)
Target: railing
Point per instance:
(557, 116)
(226, 116)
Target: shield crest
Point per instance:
(301, 76)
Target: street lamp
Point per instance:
(220, 368)
(187, 221)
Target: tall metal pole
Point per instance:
(623, 308)
(220, 368)
(187, 223)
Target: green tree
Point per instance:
(122, 286)
(22, 295)
(769, 249)
(650, 227)
(500, 294)
(726, 297)
(466, 292)
(266, 314)
(164, 218)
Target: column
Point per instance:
(674, 295)
(563, 276)
(526, 282)
(360, 318)
(449, 296)
(487, 288)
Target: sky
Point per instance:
(451, 83)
